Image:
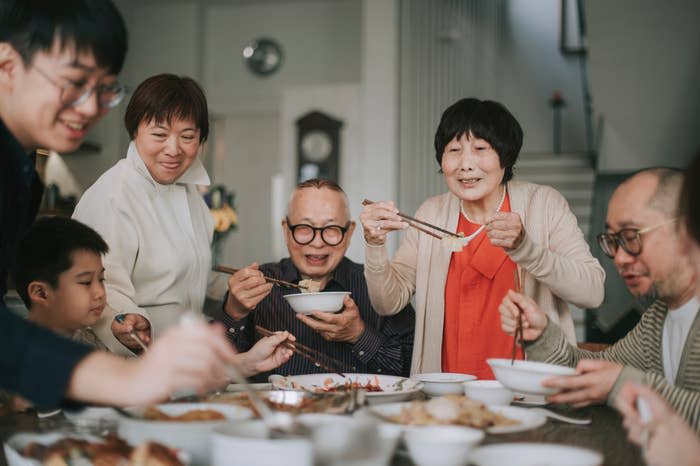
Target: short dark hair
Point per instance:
(166, 96)
(90, 25)
(690, 199)
(484, 119)
(46, 251)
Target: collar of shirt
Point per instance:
(195, 174)
(339, 282)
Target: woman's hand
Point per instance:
(505, 229)
(138, 324)
(378, 219)
(267, 354)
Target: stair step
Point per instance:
(564, 164)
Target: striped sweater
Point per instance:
(640, 352)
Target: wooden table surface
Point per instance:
(605, 434)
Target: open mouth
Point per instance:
(75, 128)
(316, 259)
(469, 181)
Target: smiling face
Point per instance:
(661, 270)
(472, 169)
(32, 102)
(318, 208)
(79, 298)
(167, 148)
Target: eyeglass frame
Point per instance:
(343, 230)
(87, 92)
(638, 237)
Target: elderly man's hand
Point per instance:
(138, 324)
(247, 288)
(592, 386)
(345, 326)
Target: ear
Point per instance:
(348, 234)
(10, 64)
(38, 292)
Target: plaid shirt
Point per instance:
(385, 346)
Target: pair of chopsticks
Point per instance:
(307, 353)
(134, 336)
(519, 330)
(230, 271)
(414, 221)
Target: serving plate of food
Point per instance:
(297, 402)
(378, 388)
(30, 449)
(186, 426)
(461, 411)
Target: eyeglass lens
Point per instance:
(305, 234)
(628, 239)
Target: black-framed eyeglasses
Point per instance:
(74, 94)
(304, 234)
(629, 239)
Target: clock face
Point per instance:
(316, 146)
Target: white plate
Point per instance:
(394, 388)
(529, 400)
(534, 454)
(236, 387)
(528, 419)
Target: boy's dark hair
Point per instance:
(90, 25)
(46, 251)
(165, 97)
(486, 120)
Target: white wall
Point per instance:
(644, 71)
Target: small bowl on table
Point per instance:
(443, 383)
(441, 445)
(527, 376)
(490, 392)
(324, 301)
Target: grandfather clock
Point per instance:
(318, 146)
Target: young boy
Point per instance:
(59, 276)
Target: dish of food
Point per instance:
(309, 286)
(459, 410)
(154, 414)
(296, 402)
(57, 450)
(379, 388)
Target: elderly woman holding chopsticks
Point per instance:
(505, 229)
(158, 228)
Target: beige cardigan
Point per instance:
(555, 259)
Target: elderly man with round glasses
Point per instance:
(317, 232)
(663, 349)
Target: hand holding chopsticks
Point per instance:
(517, 338)
(230, 271)
(312, 355)
(374, 221)
(131, 321)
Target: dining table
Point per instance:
(604, 434)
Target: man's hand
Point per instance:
(267, 354)
(346, 326)
(592, 385)
(247, 288)
(137, 323)
(505, 229)
(534, 318)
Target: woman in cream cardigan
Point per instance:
(509, 226)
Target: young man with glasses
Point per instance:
(663, 350)
(59, 62)
(317, 231)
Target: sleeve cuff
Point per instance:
(376, 257)
(542, 348)
(367, 346)
(627, 374)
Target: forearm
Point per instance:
(390, 284)
(103, 378)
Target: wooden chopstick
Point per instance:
(412, 219)
(519, 330)
(310, 354)
(230, 271)
(134, 336)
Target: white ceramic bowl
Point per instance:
(534, 454)
(246, 443)
(490, 392)
(527, 376)
(441, 445)
(325, 301)
(443, 383)
(193, 437)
